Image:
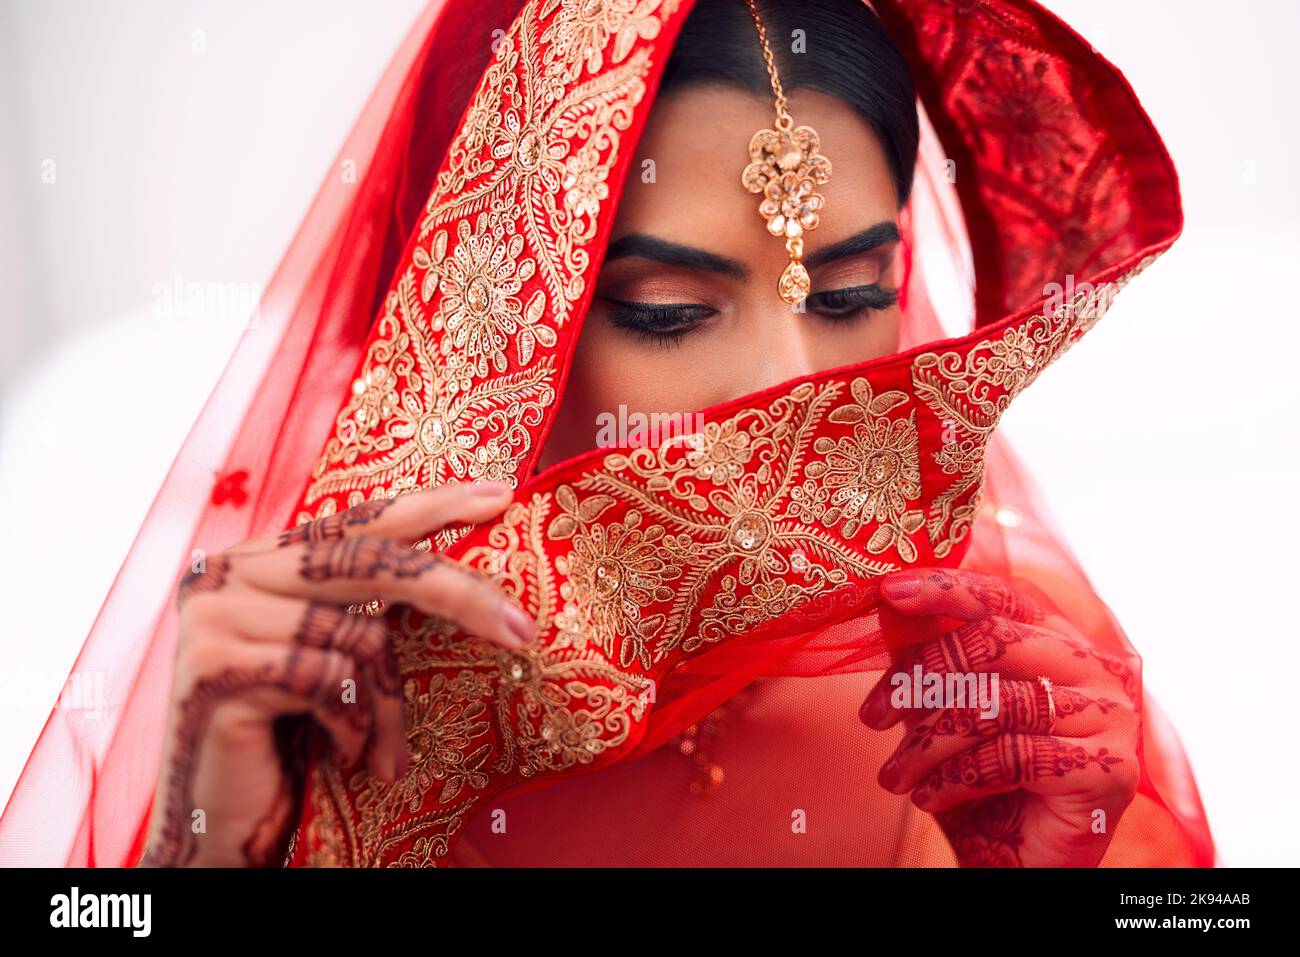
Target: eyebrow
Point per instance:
(869, 238)
(644, 246)
(675, 254)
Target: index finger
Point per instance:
(360, 569)
(407, 518)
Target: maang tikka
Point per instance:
(786, 168)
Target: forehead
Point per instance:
(684, 185)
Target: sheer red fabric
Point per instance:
(84, 794)
(708, 608)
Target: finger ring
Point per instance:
(1046, 682)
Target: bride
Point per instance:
(467, 630)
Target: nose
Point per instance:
(782, 347)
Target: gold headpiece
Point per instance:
(786, 167)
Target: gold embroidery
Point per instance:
(444, 722)
(677, 547)
(665, 550)
(870, 478)
(581, 32)
(618, 569)
(727, 538)
(968, 390)
(542, 149)
(719, 452)
(324, 833)
(436, 399)
(553, 708)
(480, 282)
(411, 423)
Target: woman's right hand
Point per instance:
(265, 632)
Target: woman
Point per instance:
(715, 645)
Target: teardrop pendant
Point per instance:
(794, 284)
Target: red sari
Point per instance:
(736, 570)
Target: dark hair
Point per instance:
(849, 56)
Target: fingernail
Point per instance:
(889, 774)
(872, 710)
(520, 625)
(490, 489)
(900, 587)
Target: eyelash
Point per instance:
(674, 321)
(850, 303)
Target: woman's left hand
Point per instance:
(1042, 778)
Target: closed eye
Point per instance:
(669, 323)
(664, 323)
(851, 302)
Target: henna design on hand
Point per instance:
(1071, 701)
(1022, 706)
(987, 833)
(979, 796)
(377, 606)
(320, 628)
(1113, 665)
(334, 528)
(364, 558)
(1001, 600)
(1012, 759)
(362, 638)
(969, 648)
(997, 596)
(176, 846)
(216, 571)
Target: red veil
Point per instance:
(707, 610)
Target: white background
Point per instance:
(1165, 442)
